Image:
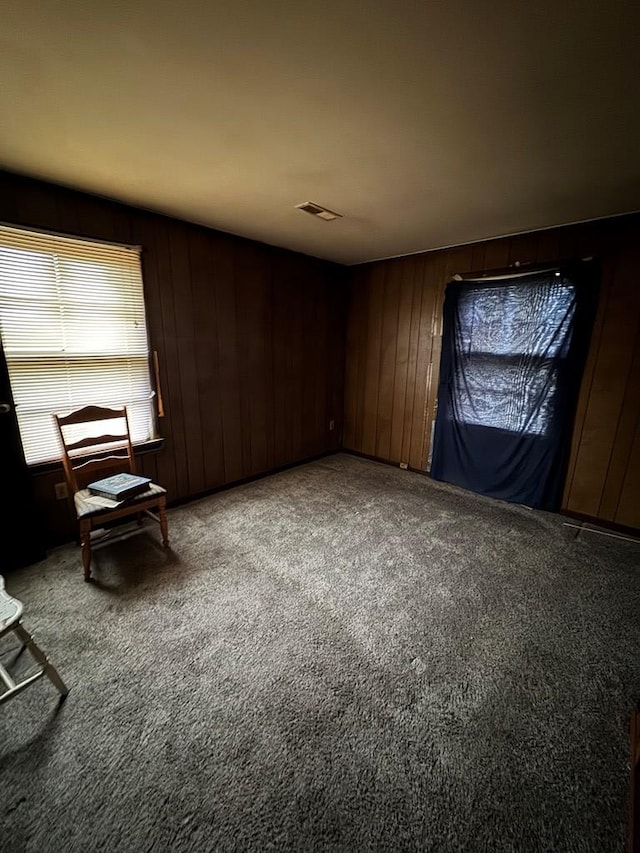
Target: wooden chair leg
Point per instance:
(85, 543)
(164, 528)
(39, 656)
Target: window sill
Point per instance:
(141, 449)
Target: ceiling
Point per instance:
(426, 123)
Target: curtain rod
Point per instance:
(513, 271)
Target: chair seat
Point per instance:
(11, 620)
(86, 507)
(10, 609)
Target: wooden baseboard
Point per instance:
(633, 532)
(384, 461)
(224, 486)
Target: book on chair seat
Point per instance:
(119, 487)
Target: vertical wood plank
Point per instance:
(37, 207)
(335, 281)
(611, 368)
(253, 287)
(95, 218)
(186, 359)
(147, 466)
(321, 361)
(146, 233)
(372, 366)
(281, 287)
(354, 347)
(587, 383)
(477, 257)
(628, 509)
(307, 362)
(418, 264)
(620, 472)
(406, 276)
(295, 363)
(226, 319)
(523, 249)
(173, 388)
(626, 274)
(548, 248)
(10, 196)
(440, 269)
(363, 296)
(388, 344)
(496, 254)
(203, 271)
(268, 358)
(417, 458)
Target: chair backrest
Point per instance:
(95, 442)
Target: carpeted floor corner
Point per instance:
(340, 657)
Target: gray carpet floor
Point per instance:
(340, 657)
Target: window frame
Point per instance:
(154, 441)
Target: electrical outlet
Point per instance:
(332, 425)
(404, 465)
(61, 491)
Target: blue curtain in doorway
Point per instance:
(513, 354)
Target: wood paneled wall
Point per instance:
(393, 358)
(250, 341)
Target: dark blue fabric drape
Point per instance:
(513, 352)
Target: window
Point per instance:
(512, 339)
(73, 328)
(513, 352)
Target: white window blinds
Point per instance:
(74, 333)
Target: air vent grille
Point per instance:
(319, 211)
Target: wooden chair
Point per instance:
(11, 620)
(87, 457)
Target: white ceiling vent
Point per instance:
(317, 210)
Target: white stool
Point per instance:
(11, 620)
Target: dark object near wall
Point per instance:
(21, 522)
(513, 353)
